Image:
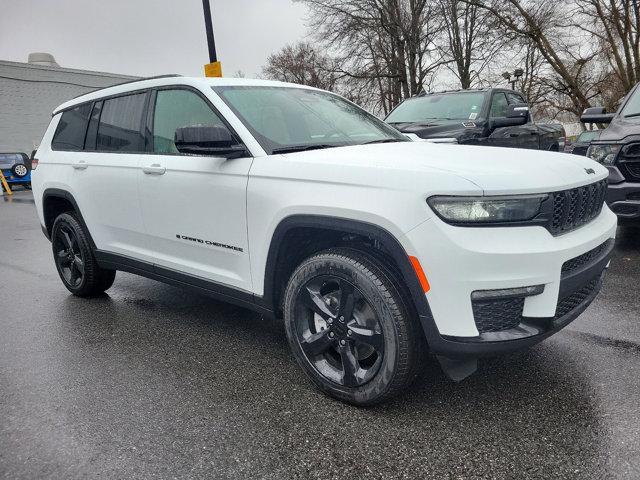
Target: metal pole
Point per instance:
(209, 27)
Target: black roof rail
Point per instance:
(168, 75)
(142, 79)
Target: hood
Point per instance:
(438, 128)
(497, 171)
(619, 129)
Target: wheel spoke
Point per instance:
(367, 336)
(73, 274)
(317, 343)
(63, 258)
(66, 239)
(77, 261)
(350, 366)
(314, 300)
(347, 300)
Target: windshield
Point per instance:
(288, 119)
(588, 136)
(632, 108)
(450, 106)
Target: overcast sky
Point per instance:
(149, 37)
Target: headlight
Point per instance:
(482, 210)
(604, 154)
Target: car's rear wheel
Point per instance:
(20, 170)
(74, 259)
(349, 327)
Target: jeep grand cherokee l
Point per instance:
(300, 205)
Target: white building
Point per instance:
(30, 91)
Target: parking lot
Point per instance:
(151, 381)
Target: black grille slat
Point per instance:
(570, 302)
(629, 161)
(497, 315)
(576, 207)
(577, 262)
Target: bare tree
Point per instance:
(470, 41)
(383, 46)
(584, 44)
(542, 23)
(615, 24)
(301, 63)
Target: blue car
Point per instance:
(16, 168)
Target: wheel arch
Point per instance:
(336, 229)
(56, 201)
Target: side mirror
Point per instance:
(596, 115)
(517, 114)
(207, 140)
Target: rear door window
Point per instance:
(121, 124)
(71, 129)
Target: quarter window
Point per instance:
(175, 109)
(71, 129)
(120, 128)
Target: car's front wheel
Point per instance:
(350, 328)
(75, 262)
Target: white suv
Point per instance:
(296, 203)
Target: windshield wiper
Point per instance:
(384, 140)
(631, 115)
(302, 148)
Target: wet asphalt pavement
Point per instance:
(151, 381)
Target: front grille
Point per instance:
(497, 315)
(633, 169)
(576, 207)
(629, 161)
(570, 302)
(577, 262)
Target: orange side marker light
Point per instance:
(422, 278)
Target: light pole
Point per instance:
(517, 73)
(214, 67)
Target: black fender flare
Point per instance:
(350, 226)
(64, 194)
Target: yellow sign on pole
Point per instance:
(213, 69)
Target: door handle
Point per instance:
(155, 169)
(80, 165)
(514, 134)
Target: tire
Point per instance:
(74, 259)
(20, 170)
(372, 355)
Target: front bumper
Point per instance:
(460, 260)
(623, 197)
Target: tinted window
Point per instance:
(632, 107)
(175, 109)
(588, 136)
(450, 106)
(514, 98)
(120, 128)
(498, 105)
(71, 129)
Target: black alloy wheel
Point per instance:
(350, 326)
(339, 331)
(68, 256)
(74, 258)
